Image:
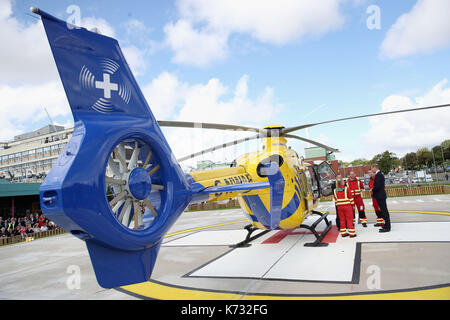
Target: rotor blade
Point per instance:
(115, 181)
(126, 217)
(204, 125)
(120, 196)
(114, 167)
(119, 151)
(117, 206)
(147, 159)
(135, 216)
(303, 126)
(134, 156)
(124, 209)
(149, 205)
(140, 214)
(312, 142)
(154, 169)
(218, 147)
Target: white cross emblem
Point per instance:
(106, 85)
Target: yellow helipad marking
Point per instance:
(416, 211)
(162, 291)
(200, 228)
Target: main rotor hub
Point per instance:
(139, 183)
(273, 130)
(274, 127)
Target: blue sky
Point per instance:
(255, 63)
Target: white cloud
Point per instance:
(209, 102)
(201, 35)
(22, 106)
(136, 59)
(101, 24)
(426, 28)
(164, 94)
(195, 47)
(25, 54)
(406, 132)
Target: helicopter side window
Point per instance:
(326, 176)
(311, 175)
(306, 185)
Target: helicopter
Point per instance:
(117, 184)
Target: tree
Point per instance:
(446, 148)
(386, 161)
(437, 151)
(360, 162)
(409, 161)
(424, 157)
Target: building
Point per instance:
(30, 156)
(360, 171)
(208, 165)
(319, 154)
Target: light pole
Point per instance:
(435, 169)
(443, 160)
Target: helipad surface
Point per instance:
(196, 262)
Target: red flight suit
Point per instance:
(343, 199)
(380, 220)
(357, 187)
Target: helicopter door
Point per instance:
(326, 177)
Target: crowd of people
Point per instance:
(31, 224)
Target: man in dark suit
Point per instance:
(379, 194)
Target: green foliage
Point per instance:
(424, 157)
(409, 161)
(386, 161)
(420, 159)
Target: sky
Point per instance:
(252, 63)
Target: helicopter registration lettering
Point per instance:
(239, 179)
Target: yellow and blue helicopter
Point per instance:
(117, 184)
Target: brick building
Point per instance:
(318, 154)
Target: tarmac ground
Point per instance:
(196, 260)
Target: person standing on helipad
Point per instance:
(376, 207)
(343, 199)
(356, 186)
(379, 194)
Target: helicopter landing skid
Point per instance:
(312, 228)
(246, 243)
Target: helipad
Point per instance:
(197, 262)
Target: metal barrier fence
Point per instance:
(213, 205)
(37, 235)
(401, 192)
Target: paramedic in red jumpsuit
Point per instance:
(357, 187)
(344, 202)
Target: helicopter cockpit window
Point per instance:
(273, 158)
(327, 177)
